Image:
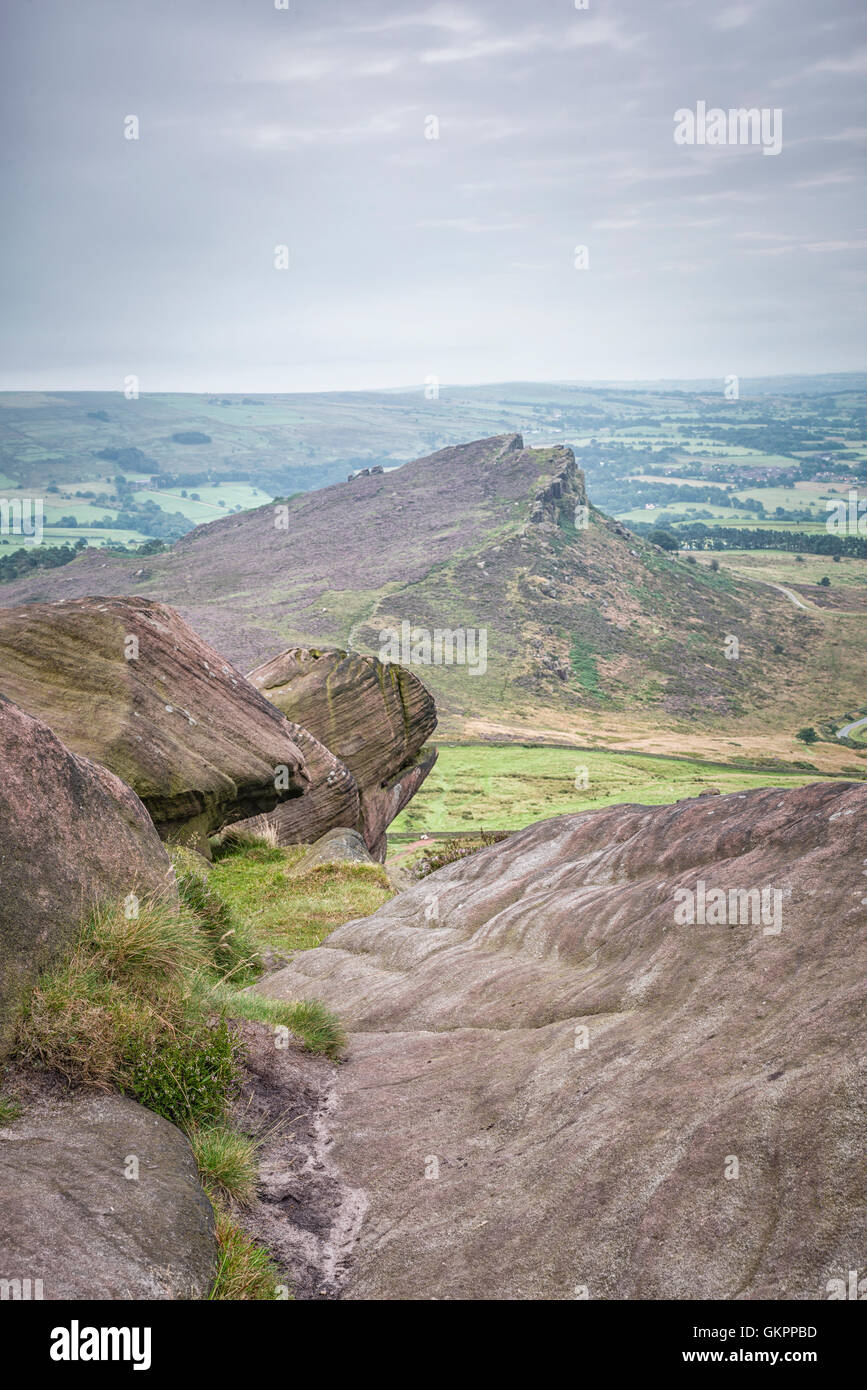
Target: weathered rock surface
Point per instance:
(72, 1218)
(559, 1160)
(72, 834)
(372, 716)
(332, 798)
(126, 682)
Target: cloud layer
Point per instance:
(431, 170)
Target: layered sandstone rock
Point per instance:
(558, 1087)
(126, 682)
(374, 718)
(72, 835)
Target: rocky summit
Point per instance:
(583, 620)
(618, 1055)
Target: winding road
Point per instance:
(846, 731)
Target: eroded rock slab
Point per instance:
(556, 1088)
(126, 682)
(72, 835)
(71, 1218)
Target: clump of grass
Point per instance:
(309, 1019)
(159, 941)
(227, 1162)
(231, 942)
(259, 832)
(9, 1110)
(245, 1271)
(144, 1005)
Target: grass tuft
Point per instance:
(317, 1027)
(227, 1162)
(245, 1271)
(9, 1111)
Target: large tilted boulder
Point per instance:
(126, 682)
(332, 798)
(558, 1087)
(100, 1199)
(72, 835)
(374, 717)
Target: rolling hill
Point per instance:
(592, 633)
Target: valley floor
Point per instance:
(506, 786)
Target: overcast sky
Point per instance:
(411, 256)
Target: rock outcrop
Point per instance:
(373, 717)
(72, 835)
(558, 1087)
(78, 1217)
(126, 682)
(336, 847)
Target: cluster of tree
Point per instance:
(21, 562)
(200, 479)
(37, 557)
(149, 518)
(133, 459)
(696, 536)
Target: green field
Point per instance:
(505, 787)
(212, 503)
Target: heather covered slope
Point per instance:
(558, 1087)
(587, 629)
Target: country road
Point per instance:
(846, 731)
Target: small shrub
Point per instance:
(449, 851)
(189, 1079)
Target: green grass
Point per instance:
(584, 666)
(497, 787)
(226, 1161)
(291, 911)
(143, 1005)
(245, 1271)
(9, 1110)
(308, 1019)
